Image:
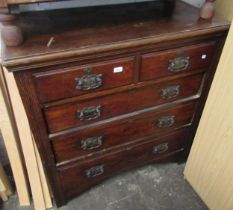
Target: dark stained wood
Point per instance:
(135, 86)
(64, 80)
(206, 87)
(67, 116)
(101, 37)
(28, 94)
(69, 146)
(131, 156)
(81, 32)
(156, 65)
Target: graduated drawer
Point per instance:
(109, 135)
(80, 113)
(78, 80)
(159, 64)
(76, 178)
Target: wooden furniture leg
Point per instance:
(11, 34)
(207, 10)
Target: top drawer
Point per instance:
(170, 62)
(73, 81)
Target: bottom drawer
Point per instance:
(78, 177)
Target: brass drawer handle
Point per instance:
(166, 121)
(170, 92)
(161, 148)
(89, 82)
(92, 143)
(89, 113)
(179, 64)
(95, 171)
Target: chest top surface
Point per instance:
(84, 31)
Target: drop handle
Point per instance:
(94, 171)
(89, 113)
(170, 92)
(92, 143)
(179, 64)
(166, 121)
(161, 148)
(89, 81)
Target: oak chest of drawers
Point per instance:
(113, 92)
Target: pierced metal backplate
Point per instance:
(170, 92)
(161, 148)
(92, 143)
(89, 113)
(95, 171)
(166, 121)
(89, 82)
(179, 64)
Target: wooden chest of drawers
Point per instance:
(113, 93)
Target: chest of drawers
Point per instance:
(111, 94)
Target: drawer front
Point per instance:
(78, 178)
(97, 138)
(171, 62)
(65, 83)
(77, 114)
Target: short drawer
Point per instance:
(171, 62)
(107, 136)
(73, 81)
(76, 178)
(86, 112)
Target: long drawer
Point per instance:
(159, 64)
(88, 141)
(78, 177)
(71, 115)
(79, 80)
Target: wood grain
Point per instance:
(45, 188)
(26, 142)
(132, 35)
(11, 139)
(209, 167)
(9, 2)
(133, 156)
(65, 80)
(67, 116)
(163, 60)
(129, 27)
(121, 132)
